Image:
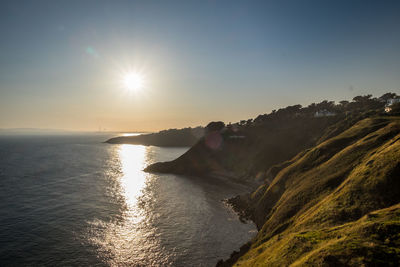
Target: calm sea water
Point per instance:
(73, 200)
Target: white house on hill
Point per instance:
(391, 102)
(324, 113)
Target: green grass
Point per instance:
(335, 204)
(369, 240)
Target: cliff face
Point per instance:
(248, 152)
(334, 204)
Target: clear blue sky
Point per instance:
(61, 61)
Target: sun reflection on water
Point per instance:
(152, 220)
(130, 134)
(127, 240)
(132, 159)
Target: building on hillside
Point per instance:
(324, 113)
(390, 103)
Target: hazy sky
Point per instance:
(61, 61)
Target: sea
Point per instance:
(73, 200)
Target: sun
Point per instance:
(133, 81)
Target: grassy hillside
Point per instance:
(372, 240)
(335, 204)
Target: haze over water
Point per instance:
(72, 200)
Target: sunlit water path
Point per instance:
(72, 200)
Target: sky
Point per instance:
(62, 62)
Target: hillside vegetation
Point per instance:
(247, 150)
(337, 204)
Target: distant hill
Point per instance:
(169, 138)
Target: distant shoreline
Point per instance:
(185, 137)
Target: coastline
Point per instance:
(240, 207)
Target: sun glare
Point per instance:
(133, 81)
